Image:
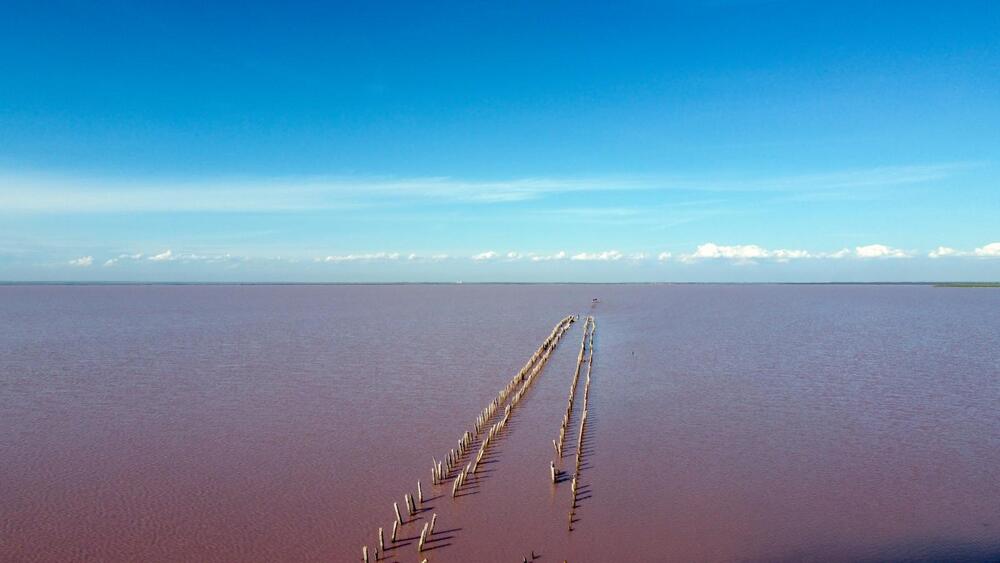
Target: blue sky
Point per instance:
(377, 141)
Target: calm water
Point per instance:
(263, 423)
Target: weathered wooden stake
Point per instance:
(430, 530)
(399, 517)
(423, 537)
(420, 493)
(364, 553)
(381, 540)
(395, 526)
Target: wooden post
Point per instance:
(430, 530)
(399, 517)
(395, 526)
(381, 540)
(552, 469)
(420, 493)
(423, 537)
(364, 553)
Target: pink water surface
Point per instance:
(279, 423)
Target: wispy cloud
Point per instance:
(365, 257)
(20, 192)
(69, 194)
(170, 256)
(561, 255)
(123, 258)
(881, 176)
(606, 256)
(165, 256)
(82, 262)
(709, 251)
(484, 256)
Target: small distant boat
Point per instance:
(595, 300)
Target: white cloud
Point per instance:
(744, 253)
(83, 261)
(784, 255)
(561, 255)
(366, 257)
(170, 256)
(606, 256)
(737, 252)
(990, 250)
(483, 256)
(943, 251)
(879, 251)
(663, 256)
(414, 257)
(842, 253)
(513, 256)
(123, 258)
(165, 256)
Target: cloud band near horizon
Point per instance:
(749, 253)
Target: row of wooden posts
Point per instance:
(583, 420)
(531, 369)
(560, 442)
(442, 469)
(411, 505)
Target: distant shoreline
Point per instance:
(235, 283)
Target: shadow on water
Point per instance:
(435, 547)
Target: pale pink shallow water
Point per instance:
(265, 423)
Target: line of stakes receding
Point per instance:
(559, 443)
(441, 470)
(583, 422)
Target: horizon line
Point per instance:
(890, 282)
